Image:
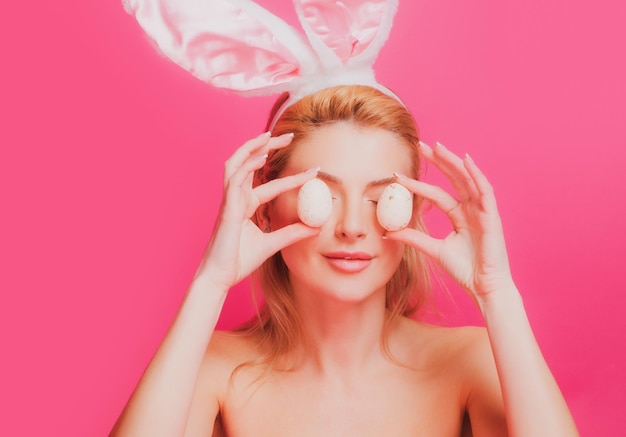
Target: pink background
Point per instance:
(111, 159)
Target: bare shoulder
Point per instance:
(229, 349)
(468, 350)
(453, 345)
(464, 358)
(225, 352)
(463, 354)
(227, 345)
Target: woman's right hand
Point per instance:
(237, 246)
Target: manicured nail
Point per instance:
(438, 144)
(469, 158)
(423, 144)
(312, 169)
(398, 175)
(287, 135)
(266, 134)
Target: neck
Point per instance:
(340, 336)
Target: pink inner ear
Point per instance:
(237, 52)
(332, 21)
(229, 45)
(230, 64)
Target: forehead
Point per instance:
(344, 149)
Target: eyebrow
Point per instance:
(334, 179)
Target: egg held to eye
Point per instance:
(395, 207)
(315, 203)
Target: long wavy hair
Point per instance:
(277, 324)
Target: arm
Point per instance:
(532, 398)
(162, 400)
(474, 254)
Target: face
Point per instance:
(348, 260)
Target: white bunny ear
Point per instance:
(346, 32)
(239, 46)
(231, 44)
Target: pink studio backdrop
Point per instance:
(111, 159)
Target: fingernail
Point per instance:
(384, 237)
(266, 134)
(287, 135)
(468, 157)
(312, 169)
(423, 144)
(398, 175)
(438, 144)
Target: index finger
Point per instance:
(438, 196)
(256, 146)
(452, 167)
(273, 188)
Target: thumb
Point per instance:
(288, 235)
(418, 239)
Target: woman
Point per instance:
(333, 352)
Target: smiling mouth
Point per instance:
(349, 263)
(349, 255)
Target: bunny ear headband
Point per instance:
(241, 47)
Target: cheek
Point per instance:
(396, 250)
(393, 252)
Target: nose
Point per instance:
(352, 220)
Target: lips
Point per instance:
(349, 262)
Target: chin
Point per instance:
(355, 289)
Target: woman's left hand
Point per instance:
(474, 253)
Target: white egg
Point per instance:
(395, 207)
(315, 203)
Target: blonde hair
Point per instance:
(278, 324)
